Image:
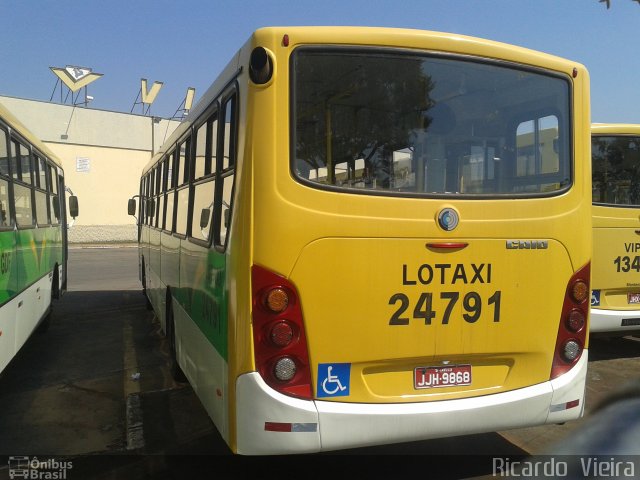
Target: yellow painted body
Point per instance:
(345, 253)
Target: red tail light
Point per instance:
(572, 331)
(280, 344)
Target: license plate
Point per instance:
(633, 298)
(438, 377)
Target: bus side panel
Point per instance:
(8, 291)
(202, 325)
(170, 278)
(27, 262)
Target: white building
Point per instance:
(103, 154)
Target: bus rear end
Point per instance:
(615, 300)
(421, 241)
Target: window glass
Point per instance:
(182, 210)
(53, 198)
(160, 212)
(5, 212)
(616, 170)
(41, 179)
(26, 166)
(170, 169)
(15, 164)
(161, 185)
(229, 136)
(225, 212)
(4, 153)
(152, 182)
(404, 124)
(150, 210)
(53, 179)
(182, 165)
(42, 216)
(22, 202)
(202, 210)
(201, 158)
(168, 225)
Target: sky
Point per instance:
(186, 43)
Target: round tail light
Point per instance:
(284, 369)
(277, 300)
(281, 334)
(571, 350)
(575, 320)
(579, 291)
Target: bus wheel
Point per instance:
(176, 372)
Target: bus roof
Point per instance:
(369, 36)
(17, 126)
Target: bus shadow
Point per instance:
(611, 348)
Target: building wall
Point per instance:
(102, 154)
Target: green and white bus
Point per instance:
(33, 234)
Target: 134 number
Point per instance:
(626, 264)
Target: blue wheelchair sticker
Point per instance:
(334, 379)
(595, 298)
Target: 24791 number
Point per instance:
(472, 304)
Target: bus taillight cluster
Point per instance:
(280, 343)
(572, 332)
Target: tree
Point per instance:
(351, 107)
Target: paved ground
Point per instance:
(95, 388)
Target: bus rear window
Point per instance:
(616, 170)
(402, 124)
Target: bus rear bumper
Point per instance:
(313, 426)
(613, 321)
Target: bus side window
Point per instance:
(22, 202)
(4, 154)
(205, 162)
(202, 209)
(225, 217)
(26, 165)
(5, 214)
(55, 204)
(224, 198)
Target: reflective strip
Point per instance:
(564, 406)
(304, 427)
(290, 427)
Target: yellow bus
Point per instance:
(364, 236)
(615, 299)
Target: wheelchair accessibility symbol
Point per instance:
(595, 298)
(333, 379)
